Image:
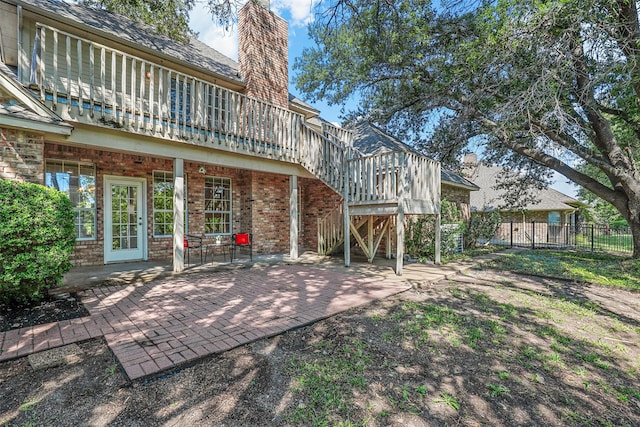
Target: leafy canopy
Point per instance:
(538, 85)
(169, 17)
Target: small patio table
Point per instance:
(223, 248)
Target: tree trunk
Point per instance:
(629, 208)
(633, 212)
(635, 233)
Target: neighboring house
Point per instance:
(552, 211)
(153, 139)
(368, 139)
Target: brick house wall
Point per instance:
(460, 197)
(21, 156)
(260, 201)
(270, 212)
(317, 200)
(528, 216)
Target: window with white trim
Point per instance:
(163, 204)
(217, 205)
(78, 181)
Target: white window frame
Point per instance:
(210, 183)
(67, 165)
(168, 177)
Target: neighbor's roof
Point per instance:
(369, 139)
(302, 107)
(488, 198)
(19, 109)
(453, 179)
(137, 35)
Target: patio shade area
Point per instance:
(173, 321)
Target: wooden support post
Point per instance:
(400, 240)
(388, 239)
(347, 236)
(178, 215)
(21, 60)
(293, 217)
(372, 254)
(403, 186)
(438, 242)
(345, 211)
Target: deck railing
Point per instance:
(339, 135)
(422, 178)
(322, 157)
(387, 177)
(89, 82)
(331, 230)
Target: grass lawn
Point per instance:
(596, 268)
(606, 242)
(470, 253)
(488, 347)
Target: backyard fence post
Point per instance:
(592, 233)
(533, 234)
(511, 233)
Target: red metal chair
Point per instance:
(192, 242)
(241, 240)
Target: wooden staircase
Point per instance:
(377, 191)
(368, 231)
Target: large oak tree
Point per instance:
(541, 85)
(169, 17)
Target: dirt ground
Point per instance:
(485, 349)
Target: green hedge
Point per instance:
(481, 226)
(36, 240)
(420, 233)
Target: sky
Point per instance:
(298, 13)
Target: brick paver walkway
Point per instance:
(173, 321)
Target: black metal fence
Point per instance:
(549, 235)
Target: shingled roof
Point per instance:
(18, 108)
(488, 198)
(369, 139)
(140, 36)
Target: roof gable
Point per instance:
(370, 139)
(488, 198)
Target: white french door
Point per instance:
(124, 219)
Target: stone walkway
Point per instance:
(175, 320)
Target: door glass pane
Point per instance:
(124, 205)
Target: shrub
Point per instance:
(36, 240)
(619, 225)
(481, 226)
(420, 232)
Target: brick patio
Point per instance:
(175, 320)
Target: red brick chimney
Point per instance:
(263, 53)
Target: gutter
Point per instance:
(35, 125)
